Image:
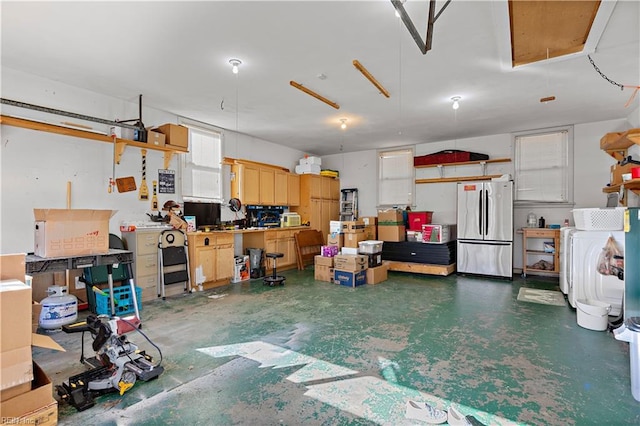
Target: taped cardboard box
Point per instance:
(155, 138)
(349, 278)
(15, 333)
(335, 239)
(391, 233)
(32, 403)
(350, 262)
(390, 216)
(175, 135)
(352, 240)
(323, 261)
(323, 273)
(71, 232)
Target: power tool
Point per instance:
(116, 366)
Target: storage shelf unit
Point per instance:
(121, 144)
(540, 233)
(616, 145)
(441, 179)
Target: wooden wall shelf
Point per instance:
(121, 144)
(457, 179)
(465, 163)
(616, 144)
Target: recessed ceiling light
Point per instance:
(456, 102)
(235, 64)
(344, 123)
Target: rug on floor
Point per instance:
(544, 297)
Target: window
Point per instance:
(395, 177)
(201, 167)
(544, 166)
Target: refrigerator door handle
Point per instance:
(486, 216)
(480, 213)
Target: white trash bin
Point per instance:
(593, 314)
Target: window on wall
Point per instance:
(395, 177)
(544, 166)
(202, 166)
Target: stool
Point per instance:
(274, 278)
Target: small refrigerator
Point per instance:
(629, 331)
(485, 228)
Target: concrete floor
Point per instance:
(316, 353)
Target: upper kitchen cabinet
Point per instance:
(281, 185)
(293, 189)
(263, 184)
(245, 183)
(267, 187)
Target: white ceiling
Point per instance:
(177, 55)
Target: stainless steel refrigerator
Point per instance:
(485, 228)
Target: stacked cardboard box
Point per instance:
(377, 272)
(26, 393)
(354, 232)
(323, 268)
(335, 239)
(391, 225)
(350, 270)
(370, 227)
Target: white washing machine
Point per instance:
(565, 257)
(585, 282)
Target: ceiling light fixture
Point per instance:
(344, 123)
(235, 63)
(456, 102)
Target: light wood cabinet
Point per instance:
(281, 181)
(267, 187)
(273, 241)
(319, 201)
(245, 183)
(210, 259)
(293, 190)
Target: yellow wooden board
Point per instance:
(421, 268)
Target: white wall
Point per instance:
(36, 166)
(591, 175)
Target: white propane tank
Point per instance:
(58, 309)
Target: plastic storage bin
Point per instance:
(122, 295)
(370, 247)
(605, 219)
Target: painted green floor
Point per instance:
(275, 353)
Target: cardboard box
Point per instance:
(39, 396)
(45, 416)
(71, 232)
(377, 275)
(391, 217)
(353, 226)
(241, 269)
(438, 234)
(36, 308)
(617, 171)
(323, 273)
(350, 262)
(414, 236)
(349, 278)
(391, 233)
(155, 138)
(323, 261)
(370, 220)
(15, 333)
(335, 240)
(371, 232)
(335, 227)
(175, 135)
(351, 240)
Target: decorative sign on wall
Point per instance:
(166, 181)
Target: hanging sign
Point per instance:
(166, 181)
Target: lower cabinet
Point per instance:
(210, 259)
(144, 245)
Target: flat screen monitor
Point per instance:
(206, 214)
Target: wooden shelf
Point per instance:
(616, 144)
(121, 144)
(465, 163)
(457, 179)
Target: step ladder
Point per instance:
(173, 259)
(349, 204)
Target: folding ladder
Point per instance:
(173, 259)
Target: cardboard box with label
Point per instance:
(438, 234)
(323, 273)
(352, 239)
(71, 232)
(175, 135)
(350, 262)
(349, 278)
(335, 239)
(323, 261)
(390, 217)
(155, 138)
(34, 406)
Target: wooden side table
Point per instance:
(527, 252)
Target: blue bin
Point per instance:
(125, 302)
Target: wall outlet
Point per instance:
(79, 284)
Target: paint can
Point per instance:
(592, 314)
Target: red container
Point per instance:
(635, 173)
(417, 219)
(448, 156)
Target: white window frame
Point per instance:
(536, 171)
(201, 168)
(396, 177)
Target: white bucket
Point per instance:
(593, 314)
